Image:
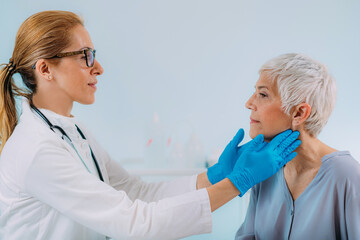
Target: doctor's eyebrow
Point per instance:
(85, 48)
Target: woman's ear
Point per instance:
(300, 114)
(43, 69)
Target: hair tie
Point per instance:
(11, 66)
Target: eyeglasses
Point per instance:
(89, 55)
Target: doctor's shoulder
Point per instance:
(28, 137)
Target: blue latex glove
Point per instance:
(261, 160)
(227, 160)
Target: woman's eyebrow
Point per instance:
(85, 48)
(260, 87)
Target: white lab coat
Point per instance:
(47, 193)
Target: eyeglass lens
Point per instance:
(90, 56)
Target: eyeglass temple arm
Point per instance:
(69, 53)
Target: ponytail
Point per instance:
(8, 115)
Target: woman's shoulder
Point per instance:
(342, 166)
(29, 138)
(29, 135)
(340, 158)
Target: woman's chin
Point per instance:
(253, 133)
(87, 101)
(267, 137)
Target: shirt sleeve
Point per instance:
(134, 186)
(352, 211)
(246, 231)
(57, 179)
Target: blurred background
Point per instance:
(178, 74)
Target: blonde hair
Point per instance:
(300, 79)
(41, 36)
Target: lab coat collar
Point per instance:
(67, 123)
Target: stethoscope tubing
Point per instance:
(68, 139)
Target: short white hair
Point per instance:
(301, 79)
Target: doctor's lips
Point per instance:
(253, 121)
(93, 84)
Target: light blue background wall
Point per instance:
(195, 64)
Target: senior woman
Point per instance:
(317, 195)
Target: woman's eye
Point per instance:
(262, 95)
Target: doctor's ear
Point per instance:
(42, 68)
(300, 113)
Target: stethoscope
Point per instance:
(66, 138)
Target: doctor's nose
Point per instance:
(97, 68)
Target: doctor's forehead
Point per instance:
(80, 39)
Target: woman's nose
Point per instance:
(97, 69)
(250, 103)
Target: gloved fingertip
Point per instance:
(296, 134)
(288, 131)
(278, 139)
(256, 143)
(292, 147)
(259, 138)
(238, 137)
(290, 157)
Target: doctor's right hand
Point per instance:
(260, 160)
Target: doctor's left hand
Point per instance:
(227, 160)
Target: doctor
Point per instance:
(56, 182)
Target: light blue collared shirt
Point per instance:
(329, 208)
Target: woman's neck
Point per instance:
(53, 103)
(309, 154)
(300, 172)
